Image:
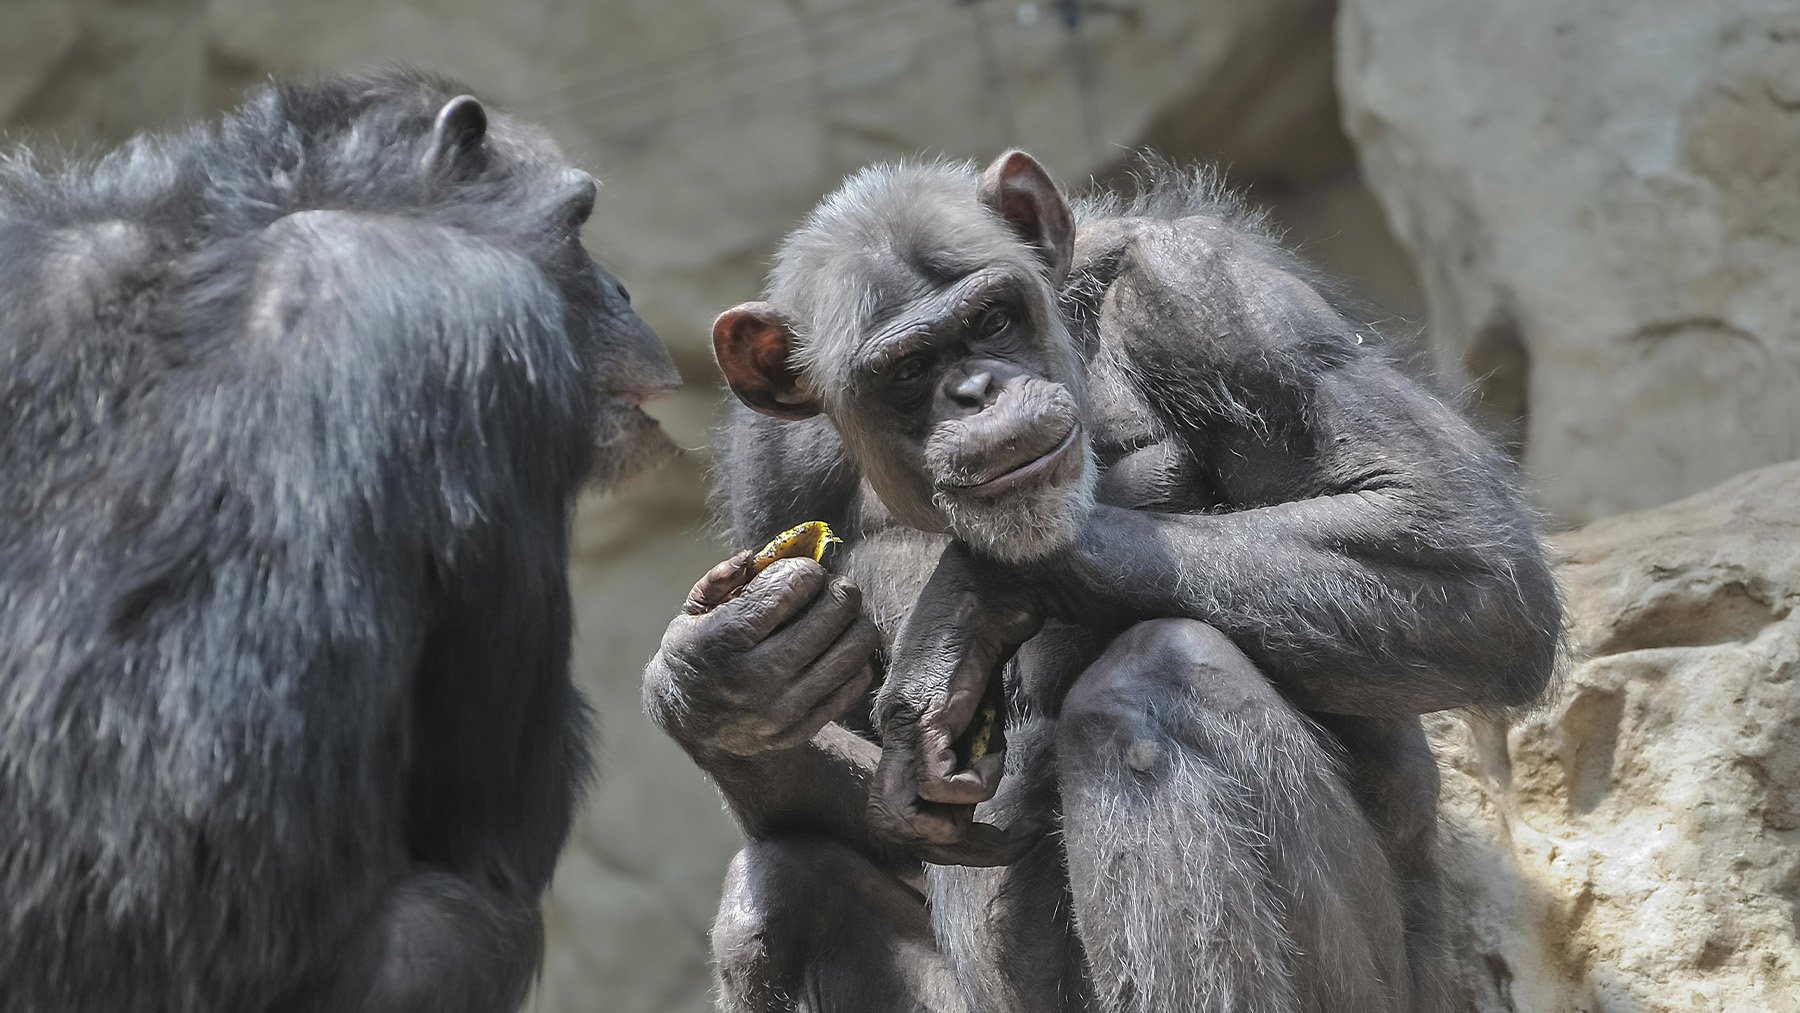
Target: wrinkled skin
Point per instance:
(765, 669)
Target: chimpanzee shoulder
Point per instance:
(1192, 234)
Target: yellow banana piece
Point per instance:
(985, 719)
(809, 540)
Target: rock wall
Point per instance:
(1603, 200)
(1634, 845)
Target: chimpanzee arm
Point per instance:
(818, 787)
(1312, 591)
(731, 706)
(1374, 556)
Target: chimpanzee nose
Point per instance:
(974, 390)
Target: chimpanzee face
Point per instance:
(627, 362)
(936, 348)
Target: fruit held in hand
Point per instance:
(723, 582)
(808, 540)
(985, 720)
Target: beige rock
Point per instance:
(1603, 199)
(1635, 844)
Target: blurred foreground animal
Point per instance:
(295, 406)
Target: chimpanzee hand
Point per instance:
(764, 669)
(968, 622)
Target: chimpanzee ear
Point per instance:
(753, 344)
(1017, 188)
(460, 128)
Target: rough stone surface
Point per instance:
(1634, 845)
(1603, 199)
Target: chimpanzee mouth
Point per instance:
(628, 406)
(637, 397)
(627, 439)
(1050, 466)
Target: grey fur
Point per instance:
(1295, 551)
(295, 407)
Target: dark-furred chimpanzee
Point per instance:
(295, 405)
(1130, 455)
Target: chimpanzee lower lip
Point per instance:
(1025, 473)
(636, 397)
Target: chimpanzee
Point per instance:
(1133, 456)
(295, 407)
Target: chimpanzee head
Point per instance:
(416, 147)
(916, 307)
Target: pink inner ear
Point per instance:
(1017, 188)
(1020, 207)
(752, 344)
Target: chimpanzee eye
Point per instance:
(993, 321)
(911, 368)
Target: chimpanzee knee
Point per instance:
(765, 936)
(1137, 695)
(761, 910)
(808, 924)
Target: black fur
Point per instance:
(294, 412)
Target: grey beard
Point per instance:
(627, 444)
(1026, 526)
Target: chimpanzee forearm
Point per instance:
(1324, 595)
(820, 787)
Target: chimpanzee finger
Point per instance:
(817, 628)
(892, 799)
(828, 710)
(841, 660)
(983, 846)
(915, 826)
(775, 596)
(719, 584)
(976, 783)
(825, 689)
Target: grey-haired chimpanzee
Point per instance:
(294, 408)
(1125, 470)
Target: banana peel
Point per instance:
(808, 540)
(986, 720)
(723, 582)
(987, 732)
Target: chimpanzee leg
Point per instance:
(807, 925)
(1394, 778)
(1006, 931)
(1216, 857)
